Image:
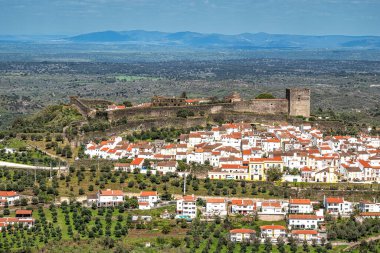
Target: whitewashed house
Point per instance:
(242, 235)
(242, 206)
(303, 221)
(187, 206)
(8, 197)
(300, 206)
(109, 197)
(337, 206)
(216, 206)
(147, 199)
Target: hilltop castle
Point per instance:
(295, 103)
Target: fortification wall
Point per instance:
(93, 103)
(262, 106)
(83, 109)
(257, 106)
(166, 111)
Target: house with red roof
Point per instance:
(187, 206)
(271, 208)
(242, 206)
(216, 206)
(303, 221)
(8, 197)
(273, 232)
(308, 235)
(137, 163)
(242, 235)
(300, 206)
(337, 205)
(148, 199)
(109, 197)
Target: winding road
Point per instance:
(24, 166)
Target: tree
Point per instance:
(265, 96)
(165, 229)
(127, 103)
(268, 245)
(281, 245)
(183, 94)
(274, 174)
(305, 246)
(293, 244)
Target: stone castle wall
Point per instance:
(256, 106)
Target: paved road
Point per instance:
(24, 166)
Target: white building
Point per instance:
(109, 197)
(242, 235)
(369, 207)
(337, 206)
(166, 166)
(271, 208)
(306, 234)
(273, 232)
(8, 197)
(216, 206)
(242, 206)
(300, 206)
(302, 221)
(187, 206)
(147, 199)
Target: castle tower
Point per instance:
(298, 102)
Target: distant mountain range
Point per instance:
(201, 40)
(244, 40)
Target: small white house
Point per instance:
(369, 207)
(300, 206)
(147, 199)
(308, 234)
(302, 221)
(271, 207)
(166, 166)
(242, 206)
(109, 197)
(216, 206)
(337, 206)
(187, 206)
(8, 197)
(273, 232)
(242, 235)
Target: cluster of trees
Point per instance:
(167, 134)
(352, 230)
(51, 119)
(184, 113)
(28, 156)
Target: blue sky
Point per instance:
(70, 17)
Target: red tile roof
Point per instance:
(300, 201)
(24, 212)
(137, 161)
(304, 232)
(242, 231)
(277, 227)
(8, 193)
(148, 193)
(334, 200)
(109, 192)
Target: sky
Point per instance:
(72, 17)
